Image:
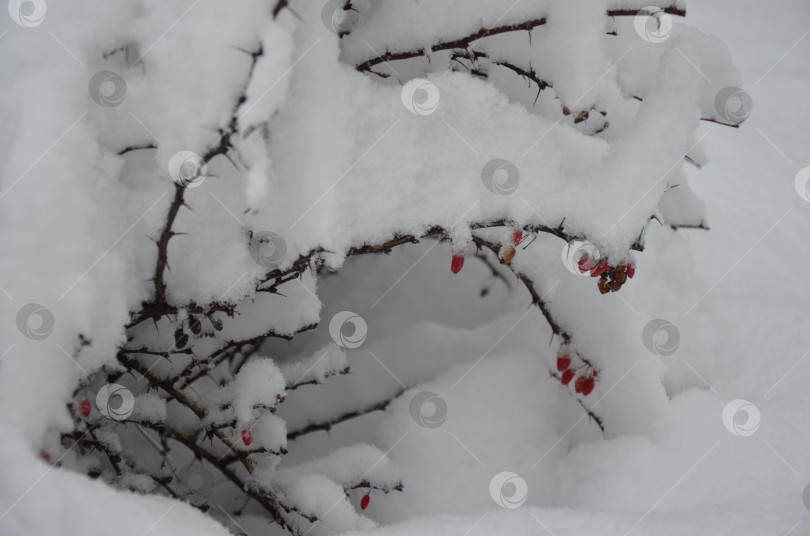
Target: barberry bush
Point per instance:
(179, 181)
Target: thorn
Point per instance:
(231, 161)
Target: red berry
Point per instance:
(563, 363)
(567, 376)
(517, 236)
(247, 437)
(600, 268)
(508, 255)
(585, 262)
(458, 263)
(588, 386)
(631, 271)
(579, 385)
(85, 408)
(44, 456)
(364, 501)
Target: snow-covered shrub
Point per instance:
(206, 164)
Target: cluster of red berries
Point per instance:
(585, 381)
(506, 254)
(611, 278)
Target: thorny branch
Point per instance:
(467, 40)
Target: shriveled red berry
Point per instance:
(579, 385)
(364, 501)
(85, 407)
(517, 236)
(247, 437)
(567, 376)
(631, 271)
(563, 363)
(588, 386)
(457, 263)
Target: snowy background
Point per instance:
(667, 463)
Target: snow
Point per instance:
(258, 384)
(79, 222)
(329, 360)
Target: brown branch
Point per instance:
(707, 119)
(326, 426)
(462, 42)
(130, 148)
(467, 40)
(590, 413)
